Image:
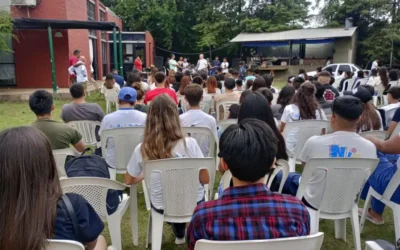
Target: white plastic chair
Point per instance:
(372, 245)
(60, 156)
(179, 180)
(385, 199)
(125, 142)
(111, 96)
(396, 131)
(339, 198)
(203, 136)
(94, 190)
(224, 124)
(306, 129)
(63, 245)
(381, 135)
(310, 242)
(389, 115)
(225, 106)
(281, 165)
(87, 129)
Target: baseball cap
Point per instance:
(127, 94)
(361, 93)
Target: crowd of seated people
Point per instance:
(248, 149)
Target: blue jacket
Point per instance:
(119, 79)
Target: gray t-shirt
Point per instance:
(277, 111)
(82, 112)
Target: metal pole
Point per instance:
(53, 64)
(115, 48)
(290, 52)
(391, 55)
(121, 60)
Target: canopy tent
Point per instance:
(49, 24)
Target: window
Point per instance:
(7, 67)
(333, 67)
(345, 68)
(103, 19)
(104, 56)
(91, 16)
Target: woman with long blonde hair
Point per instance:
(163, 139)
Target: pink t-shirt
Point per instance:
(150, 95)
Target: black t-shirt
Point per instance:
(89, 222)
(396, 117)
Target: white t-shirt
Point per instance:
(202, 64)
(172, 65)
(135, 169)
(122, 118)
(225, 67)
(292, 113)
(80, 71)
(198, 118)
(340, 144)
(374, 65)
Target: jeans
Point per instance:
(177, 228)
(380, 179)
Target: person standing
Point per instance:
(216, 64)
(173, 65)
(225, 66)
(81, 72)
(202, 63)
(185, 65)
(73, 60)
(375, 64)
(138, 63)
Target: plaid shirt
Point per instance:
(329, 95)
(249, 213)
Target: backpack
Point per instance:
(94, 166)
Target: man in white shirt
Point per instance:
(81, 72)
(344, 142)
(173, 65)
(225, 66)
(126, 116)
(202, 63)
(195, 116)
(375, 64)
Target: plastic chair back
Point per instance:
(396, 131)
(381, 135)
(389, 115)
(393, 185)
(60, 156)
(111, 95)
(307, 129)
(125, 142)
(204, 137)
(310, 242)
(87, 129)
(63, 245)
(224, 105)
(224, 124)
(339, 193)
(93, 189)
(180, 183)
(205, 106)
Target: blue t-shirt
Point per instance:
(90, 224)
(119, 79)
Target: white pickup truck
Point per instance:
(338, 66)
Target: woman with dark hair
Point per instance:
(384, 80)
(358, 80)
(249, 83)
(374, 80)
(259, 82)
(304, 107)
(185, 81)
(255, 105)
(393, 78)
(243, 96)
(303, 74)
(284, 98)
(32, 207)
(347, 76)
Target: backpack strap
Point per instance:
(72, 214)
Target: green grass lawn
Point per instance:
(18, 114)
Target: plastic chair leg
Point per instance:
(157, 222)
(356, 227)
(340, 229)
(114, 225)
(134, 215)
(292, 165)
(375, 100)
(367, 205)
(314, 221)
(149, 235)
(113, 173)
(396, 217)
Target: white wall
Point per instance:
(5, 5)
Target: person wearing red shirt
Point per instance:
(73, 60)
(160, 89)
(138, 64)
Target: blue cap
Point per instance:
(127, 94)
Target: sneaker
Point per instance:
(180, 241)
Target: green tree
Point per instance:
(6, 31)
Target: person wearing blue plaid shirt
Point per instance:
(248, 210)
